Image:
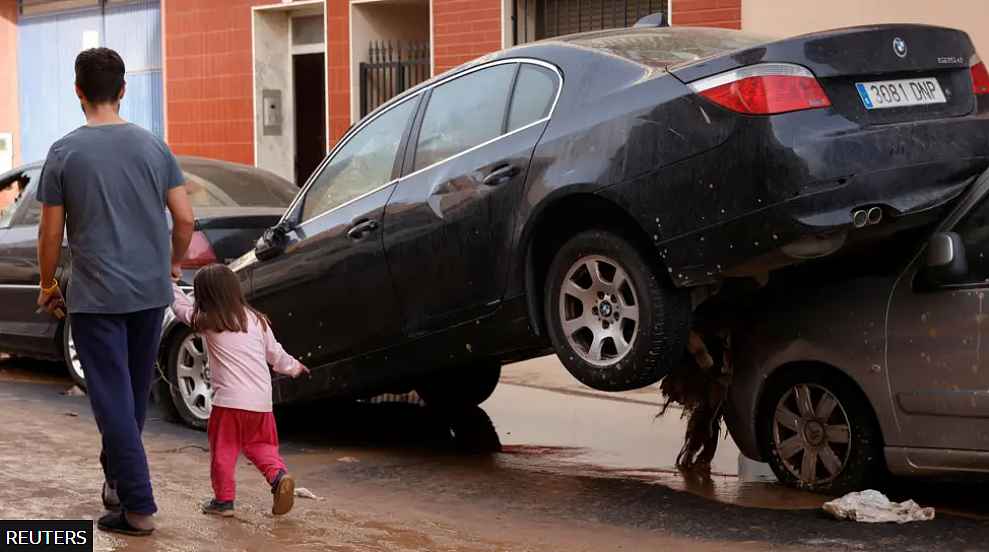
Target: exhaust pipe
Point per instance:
(860, 218)
(875, 215)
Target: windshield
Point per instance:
(217, 184)
(673, 45)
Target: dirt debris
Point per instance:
(74, 391)
(699, 382)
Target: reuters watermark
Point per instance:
(41, 535)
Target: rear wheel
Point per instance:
(71, 355)
(466, 386)
(187, 377)
(817, 432)
(615, 322)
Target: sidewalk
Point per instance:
(548, 373)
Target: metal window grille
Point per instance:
(540, 19)
(42, 7)
(391, 70)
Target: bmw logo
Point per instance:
(900, 47)
(606, 309)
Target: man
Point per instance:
(108, 183)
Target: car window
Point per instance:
(533, 96)
(363, 164)
(13, 193)
(974, 231)
(217, 184)
(464, 113)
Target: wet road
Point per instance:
(544, 465)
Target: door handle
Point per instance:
(502, 174)
(362, 229)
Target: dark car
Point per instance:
(872, 362)
(233, 205)
(578, 193)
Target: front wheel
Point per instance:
(616, 322)
(465, 386)
(818, 432)
(71, 355)
(189, 393)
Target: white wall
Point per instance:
(382, 21)
(790, 17)
(273, 71)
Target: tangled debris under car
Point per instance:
(846, 367)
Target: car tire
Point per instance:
(463, 387)
(70, 356)
(836, 424)
(609, 350)
(180, 395)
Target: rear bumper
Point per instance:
(773, 183)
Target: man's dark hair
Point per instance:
(100, 75)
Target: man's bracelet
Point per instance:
(51, 289)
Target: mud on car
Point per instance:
(584, 194)
(870, 360)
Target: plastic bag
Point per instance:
(873, 507)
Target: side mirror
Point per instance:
(272, 243)
(945, 261)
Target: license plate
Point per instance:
(900, 93)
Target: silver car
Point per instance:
(877, 364)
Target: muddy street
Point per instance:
(543, 465)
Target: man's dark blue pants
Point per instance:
(118, 353)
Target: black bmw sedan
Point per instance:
(233, 205)
(583, 193)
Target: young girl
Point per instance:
(240, 345)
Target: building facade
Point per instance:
(275, 83)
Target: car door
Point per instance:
(19, 273)
(938, 350)
(329, 295)
(449, 224)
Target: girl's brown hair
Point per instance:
(220, 303)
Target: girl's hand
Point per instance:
(302, 368)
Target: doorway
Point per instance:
(290, 132)
(309, 85)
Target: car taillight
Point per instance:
(200, 253)
(764, 89)
(980, 76)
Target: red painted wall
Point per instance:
(9, 102)
(208, 66)
(707, 13)
(208, 63)
(464, 30)
(338, 68)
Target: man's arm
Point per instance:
(50, 234)
(183, 224)
(52, 227)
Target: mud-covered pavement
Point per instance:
(544, 465)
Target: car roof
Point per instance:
(182, 159)
(604, 45)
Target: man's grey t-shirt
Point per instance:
(113, 182)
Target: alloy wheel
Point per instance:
(811, 434)
(74, 363)
(193, 376)
(599, 310)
